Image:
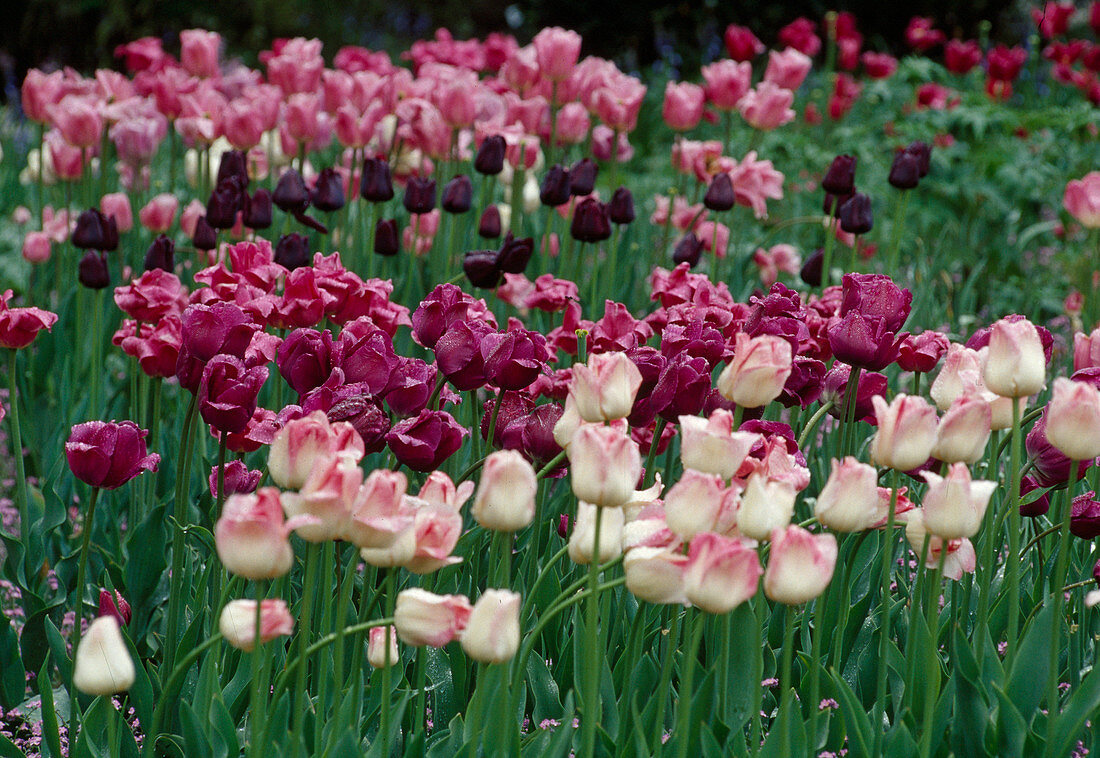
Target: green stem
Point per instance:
(651, 456)
(301, 704)
(683, 707)
(785, 683)
(815, 668)
(760, 608)
(851, 393)
(1015, 527)
(17, 451)
(175, 594)
(899, 225)
(387, 670)
(257, 708)
(812, 424)
(666, 677)
(1058, 597)
(932, 658)
(827, 254)
(81, 571)
(591, 699)
(884, 615)
(168, 698)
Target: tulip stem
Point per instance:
(292, 667)
(175, 594)
(17, 451)
(683, 706)
(313, 556)
(884, 615)
(168, 694)
(1013, 567)
(221, 475)
(666, 677)
(827, 254)
(257, 707)
(785, 684)
(815, 667)
(851, 393)
(387, 670)
(81, 571)
(654, 443)
(593, 663)
(550, 466)
(812, 423)
(932, 657)
(1059, 581)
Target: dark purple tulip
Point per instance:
(856, 216)
(835, 390)
(1051, 466)
(239, 479)
(424, 442)
(489, 160)
(696, 339)
(257, 213)
(367, 418)
(862, 341)
(114, 604)
(161, 254)
(204, 238)
(688, 250)
(582, 177)
(563, 526)
(305, 359)
(438, 312)
(840, 178)
(876, 296)
(376, 184)
(1084, 519)
(719, 195)
(291, 195)
(226, 199)
(233, 164)
(489, 225)
(217, 328)
(554, 190)
(292, 251)
(922, 352)
(107, 454)
(811, 269)
(591, 222)
(509, 407)
(92, 271)
(1096, 572)
(904, 171)
(458, 195)
(410, 387)
(366, 357)
(386, 239)
(923, 153)
(621, 208)
(832, 204)
(515, 254)
(458, 354)
(88, 234)
(228, 392)
(328, 191)
(536, 437)
(1038, 506)
(419, 195)
(803, 386)
(514, 359)
(687, 384)
(482, 268)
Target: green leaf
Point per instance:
(1028, 678)
(51, 736)
(13, 680)
(544, 688)
(744, 660)
(8, 749)
(1083, 704)
(788, 734)
(194, 737)
(855, 717)
(560, 746)
(1011, 726)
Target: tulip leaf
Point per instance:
(855, 717)
(1028, 677)
(560, 746)
(224, 729)
(13, 681)
(59, 649)
(544, 689)
(196, 743)
(51, 737)
(8, 749)
(141, 691)
(1083, 704)
(1011, 726)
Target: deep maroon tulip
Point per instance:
(367, 418)
(489, 160)
(509, 407)
(563, 526)
(204, 238)
(489, 226)
(554, 190)
(482, 268)
(419, 195)
(1051, 467)
(621, 207)
(650, 364)
(458, 195)
(923, 153)
(115, 605)
(515, 254)
(291, 195)
(862, 341)
(876, 296)
(591, 222)
(305, 359)
(228, 392)
(582, 177)
(233, 163)
(687, 383)
(376, 184)
(410, 387)
(922, 352)
(980, 338)
(458, 354)
(92, 271)
(216, 328)
(803, 386)
(811, 269)
(688, 250)
(904, 171)
(292, 251)
(832, 204)
(1096, 572)
(438, 312)
(719, 195)
(386, 239)
(161, 254)
(856, 216)
(257, 213)
(1037, 507)
(226, 199)
(696, 339)
(1084, 520)
(840, 178)
(536, 434)
(328, 191)
(835, 390)
(94, 231)
(514, 359)
(366, 356)
(424, 442)
(107, 454)
(239, 479)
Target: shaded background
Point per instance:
(84, 33)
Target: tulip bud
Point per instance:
(656, 575)
(688, 250)
(605, 465)
(583, 537)
(515, 254)
(482, 268)
(292, 251)
(719, 195)
(811, 269)
(204, 238)
(960, 557)
(489, 160)
(554, 190)
(291, 195)
(922, 151)
(954, 505)
(856, 216)
(904, 171)
(237, 622)
(114, 604)
(489, 225)
(1015, 365)
(376, 184)
(419, 195)
(505, 500)
(92, 271)
(800, 565)
(963, 431)
(377, 647)
(700, 503)
(328, 191)
(591, 222)
(458, 195)
(621, 208)
(304, 444)
(582, 177)
(386, 238)
(758, 370)
(161, 254)
(102, 664)
(711, 445)
(424, 618)
(257, 210)
(840, 179)
(492, 633)
(233, 164)
(906, 432)
(251, 536)
(225, 200)
(766, 505)
(849, 500)
(721, 573)
(1073, 419)
(94, 231)
(605, 387)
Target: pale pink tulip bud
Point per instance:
(604, 388)
(1073, 419)
(604, 465)
(252, 537)
(722, 573)
(1082, 197)
(400, 551)
(238, 622)
(963, 431)
(711, 445)
(438, 489)
(505, 500)
(960, 374)
(379, 512)
(492, 632)
(376, 646)
(303, 443)
(568, 424)
(683, 106)
(102, 664)
(199, 51)
(437, 529)
(954, 505)
(800, 565)
(656, 575)
(158, 214)
(117, 205)
(36, 247)
(906, 432)
(327, 495)
(758, 370)
(700, 503)
(557, 51)
(766, 505)
(1086, 350)
(424, 618)
(849, 500)
(961, 558)
(1015, 365)
(583, 537)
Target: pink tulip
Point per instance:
(656, 575)
(492, 632)
(382, 642)
(78, 119)
(251, 536)
(1073, 419)
(440, 490)
(327, 496)
(1015, 365)
(199, 51)
(755, 182)
(306, 443)
(961, 558)
(712, 445)
(1082, 199)
(137, 139)
(297, 66)
(617, 104)
(237, 622)
(963, 431)
(954, 505)
(158, 214)
(787, 69)
(721, 573)
(505, 500)
(767, 107)
(767, 504)
(379, 512)
(582, 539)
(727, 81)
(573, 124)
(117, 205)
(36, 247)
(423, 618)
(1086, 350)
(436, 529)
(604, 388)
(757, 371)
(302, 117)
(556, 51)
(906, 432)
(800, 565)
(605, 465)
(683, 105)
(605, 147)
(66, 160)
(243, 125)
(700, 503)
(40, 91)
(849, 500)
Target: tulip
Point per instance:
(292, 251)
(554, 190)
(556, 51)
(963, 431)
(582, 177)
(719, 196)
(116, 205)
(515, 254)
(906, 432)
(591, 222)
(114, 604)
(204, 236)
(954, 505)
(727, 81)
(423, 618)
(95, 231)
(380, 513)
(505, 499)
(582, 540)
(36, 247)
(379, 639)
(328, 191)
(960, 559)
(160, 255)
(1073, 419)
(904, 171)
(419, 195)
(422, 443)
(605, 465)
(712, 446)
(800, 565)
(741, 44)
(257, 210)
(229, 392)
(386, 238)
(376, 183)
(492, 632)
(604, 389)
(700, 503)
(855, 214)
(102, 664)
(721, 573)
(922, 352)
(767, 107)
(224, 203)
(251, 536)
(291, 195)
(305, 443)
(766, 505)
(683, 105)
(688, 250)
(326, 499)
(758, 370)
(1084, 521)
(841, 176)
(107, 454)
(399, 552)
(237, 622)
(787, 69)
(656, 575)
(489, 226)
(621, 208)
(458, 195)
(849, 501)
(1015, 365)
(92, 271)
(1082, 200)
(489, 160)
(238, 479)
